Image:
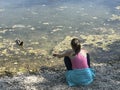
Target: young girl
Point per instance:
(77, 62)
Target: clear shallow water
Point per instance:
(49, 21)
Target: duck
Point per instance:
(19, 42)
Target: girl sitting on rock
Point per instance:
(77, 62)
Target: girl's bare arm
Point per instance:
(63, 54)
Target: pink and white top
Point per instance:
(79, 61)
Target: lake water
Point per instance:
(42, 24)
(49, 21)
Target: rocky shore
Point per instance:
(107, 78)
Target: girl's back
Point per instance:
(79, 61)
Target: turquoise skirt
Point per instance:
(80, 76)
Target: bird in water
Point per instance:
(19, 42)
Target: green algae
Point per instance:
(97, 41)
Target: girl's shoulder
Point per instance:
(84, 52)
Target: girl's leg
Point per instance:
(68, 63)
(88, 59)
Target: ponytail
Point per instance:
(75, 43)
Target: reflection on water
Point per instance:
(48, 21)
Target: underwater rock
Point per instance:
(115, 17)
(1, 10)
(34, 43)
(56, 29)
(46, 23)
(103, 30)
(44, 37)
(95, 17)
(34, 12)
(60, 26)
(18, 26)
(118, 7)
(32, 28)
(62, 8)
(2, 45)
(85, 23)
(3, 31)
(4, 51)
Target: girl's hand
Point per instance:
(57, 55)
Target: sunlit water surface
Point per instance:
(49, 21)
